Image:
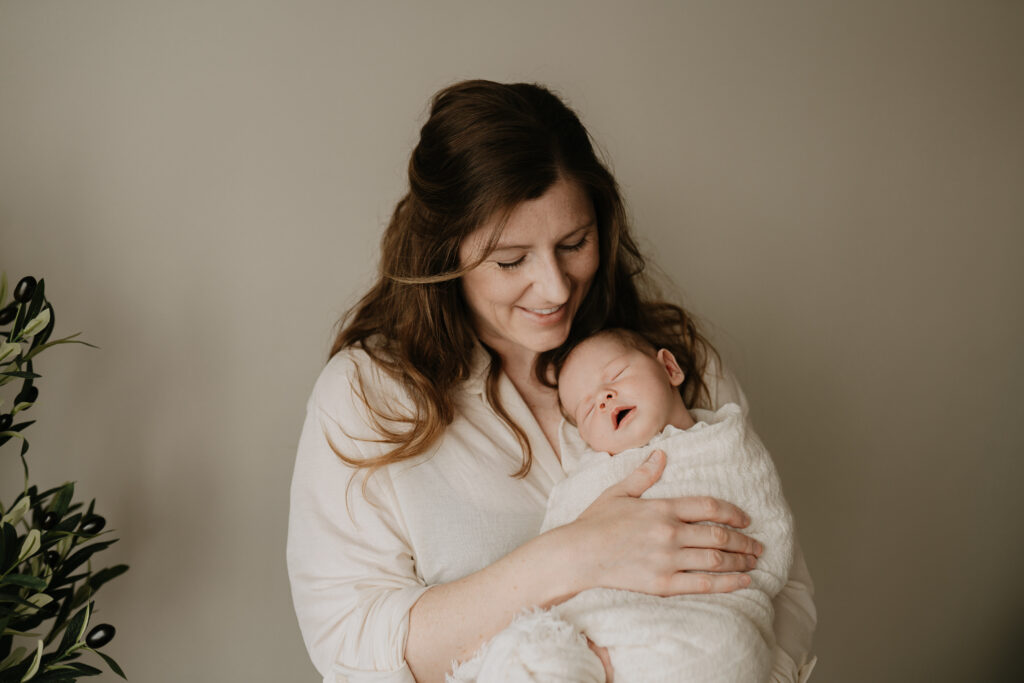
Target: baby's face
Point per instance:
(618, 396)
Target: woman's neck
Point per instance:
(541, 399)
(519, 365)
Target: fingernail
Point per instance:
(745, 579)
(758, 549)
(751, 561)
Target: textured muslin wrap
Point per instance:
(723, 637)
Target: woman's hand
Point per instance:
(656, 547)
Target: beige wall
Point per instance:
(836, 188)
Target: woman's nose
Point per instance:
(552, 280)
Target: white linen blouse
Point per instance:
(358, 561)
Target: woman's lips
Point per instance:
(545, 316)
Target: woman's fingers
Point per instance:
(710, 560)
(693, 582)
(707, 509)
(643, 477)
(717, 537)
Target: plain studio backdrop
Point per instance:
(835, 188)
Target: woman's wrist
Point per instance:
(561, 554)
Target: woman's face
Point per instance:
(524, 295)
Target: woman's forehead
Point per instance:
(564, 209)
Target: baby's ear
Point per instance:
(668, 361)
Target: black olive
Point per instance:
(50, 520)
(100, 636)
(8, 313)
(52, 558)
(27, 395)
(93, 524)
(24, 289)
(5, 422)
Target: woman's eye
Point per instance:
(575, 246)
(509, 265)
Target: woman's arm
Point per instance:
(795, 621)
(350, 559)
(366, 615)
(618, 542)
(795, 614)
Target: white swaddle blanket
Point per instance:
(723, 637)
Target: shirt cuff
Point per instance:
(343, 674)
(381, 646)
(785, 670)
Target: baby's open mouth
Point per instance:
(619, 415)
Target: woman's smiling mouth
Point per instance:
(544, 311)
(545, 316)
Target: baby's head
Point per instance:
(620, 392)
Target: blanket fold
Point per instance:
(717, 638)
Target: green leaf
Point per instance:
(40, 321)
(9, 350)
(81, 555)
(66, 340)
(18, 407)
(19, 322)
(83, 593)
(17, 511)
(75, 630)
(34, 667)
(78, 668)
(34, 602)
(68, 524)
(25, 580)
(30, 546)
(21, 426)
(62, 500)
(35, 305)
(13, 658)
(43, 336)
(8, 546)
(101, 577)
(20, 374)
(112, 664)
(20, 604)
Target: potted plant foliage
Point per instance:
(47, 540)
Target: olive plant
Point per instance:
(47, 540)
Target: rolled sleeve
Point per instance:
(350, 563)
(795, 614)
(795, 621)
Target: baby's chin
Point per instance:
(616, 446)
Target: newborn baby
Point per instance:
(623, 397)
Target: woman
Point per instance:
(432, 435)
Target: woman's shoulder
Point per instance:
(354, 389)
(722, 386)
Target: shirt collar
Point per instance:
(479, 368)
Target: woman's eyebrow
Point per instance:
(502, 247)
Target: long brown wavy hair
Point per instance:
(485, 148)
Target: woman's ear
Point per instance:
(668, 361)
